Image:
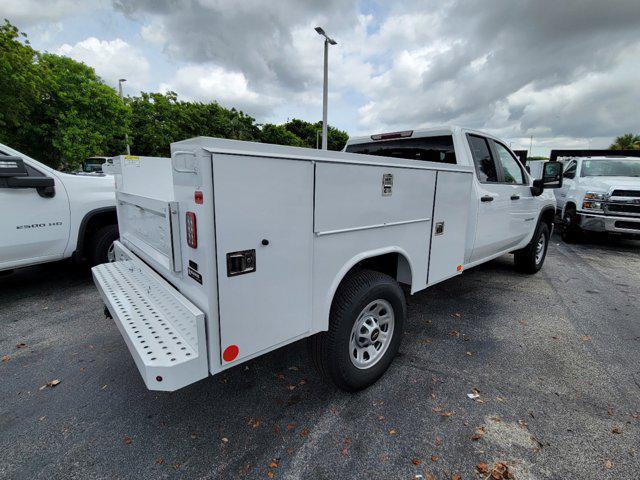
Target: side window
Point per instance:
(485, 166)
(570, 170)
(510, 166)
(33, 172)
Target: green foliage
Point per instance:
(60, 112)
(157, 120)
(279, 135)
(628, 141)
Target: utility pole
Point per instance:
(325, 90)
(530, 144)
(126, 135)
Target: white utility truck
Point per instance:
(600, 194)
(256, 246)
(47, 215)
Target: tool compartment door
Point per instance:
(264, 225)
(449, 228)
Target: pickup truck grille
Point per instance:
(624, 208)
(625, 193)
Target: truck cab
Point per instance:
(600, 194)
(505, 206)
(48, 215)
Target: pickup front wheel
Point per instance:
(365, 330)
(531, 258)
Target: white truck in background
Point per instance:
(48, 215)
(600, 194)
(252, 246)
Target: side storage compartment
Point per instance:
(263, 222)
(449, 229)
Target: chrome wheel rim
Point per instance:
(111, 253)
(371, 334)
(540, 248)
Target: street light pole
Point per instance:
(126, 135)
(325, 89)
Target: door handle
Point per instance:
(486, 198)
(515, 197)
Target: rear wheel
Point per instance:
(570, 228)
(101, 242)
(365, 330)
(531, 258)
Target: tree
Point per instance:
(159, 119)
(628, 141)
(279, 135)
(308, 133)
(54, 108)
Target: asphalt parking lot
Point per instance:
(554, 359)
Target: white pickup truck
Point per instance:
(47, 215)
(600, 194)
(249, 247)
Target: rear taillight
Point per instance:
(392, 135)
(192, 230)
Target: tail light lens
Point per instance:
(192, 230)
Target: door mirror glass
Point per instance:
(12, 167)
(552, 175)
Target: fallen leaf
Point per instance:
(456, 477)
(454, 333)
(6, 358)
(302, 382)
(127, 440)
(225, 440)
(291, 426)
(270, 474)
(608, 464)
(291, 387)
(434, 458)
(585, 338)
(468, 354)
(522, 424)
(482, 468)
(280, 376)
(479, 433)
(416, 461)
(456, 315)
(438, 441)
(159, 461)
(176, 466)
(21, 345)
(304, 432)
(392, 432)
(610, 411)
(273, 464)
(380, 417)
(41, 418)
(617, 430)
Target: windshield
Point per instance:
(610, 168)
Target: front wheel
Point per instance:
(531, 258)
(570, 227)
(365, 330)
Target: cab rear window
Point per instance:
(429, 149)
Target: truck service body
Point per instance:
(245, 247)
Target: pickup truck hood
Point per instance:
(605, 183)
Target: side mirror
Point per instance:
(551, 178)
(14, 174)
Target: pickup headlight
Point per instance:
(593, 201)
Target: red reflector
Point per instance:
(192, 230)
(198, 197)
(230, 353)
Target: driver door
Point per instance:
(34, 228)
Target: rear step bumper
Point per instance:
(164, 331)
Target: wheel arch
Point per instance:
(393, 261)
(91, 222)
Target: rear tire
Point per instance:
(531, 258)
(101, 241)
(570, 229)
(366, 325)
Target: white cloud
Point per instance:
(154, 32)
(112, 59)
(208, 83)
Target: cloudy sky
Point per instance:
(565, 72)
